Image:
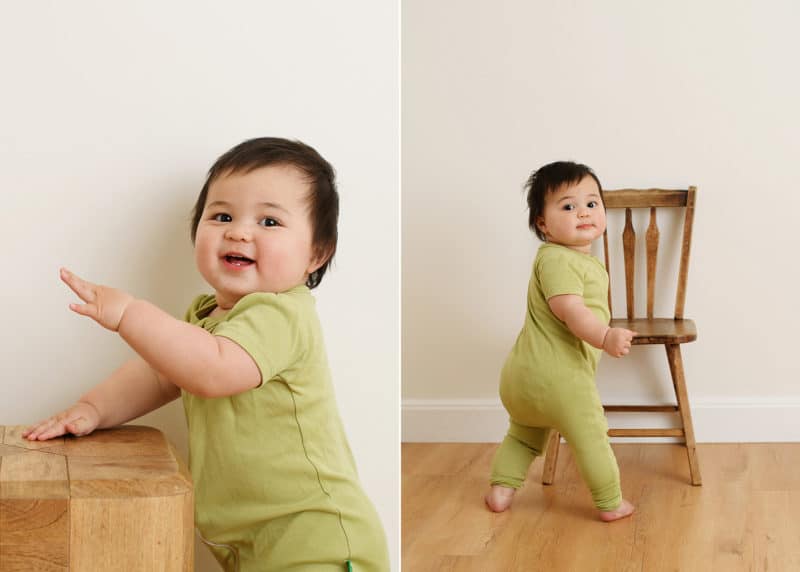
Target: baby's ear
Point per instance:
(540, 224)
(320, 257)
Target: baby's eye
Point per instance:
(268, 221)
(568, 207)
(592, 204)
(222, 217)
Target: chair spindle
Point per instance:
(651, 238)
(629, 246)
(608, 270)
(680, 297)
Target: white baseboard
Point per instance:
(721, 420)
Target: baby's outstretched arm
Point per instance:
(186, 355)
(581, 321)
(130, 392)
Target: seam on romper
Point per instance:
(230, 547)
(319, 479)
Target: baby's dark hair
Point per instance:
(549, 179)
(323, 198)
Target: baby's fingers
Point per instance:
(38, 426)
(89, 310)
(55, 431)
(44, 430)
(85, 290)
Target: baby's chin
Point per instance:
(265, 289)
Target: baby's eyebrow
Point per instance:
(273, 206)
(267, 204)
(570, 197)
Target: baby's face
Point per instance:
(255, 233)
(574, 215)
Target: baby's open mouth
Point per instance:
(238, 260)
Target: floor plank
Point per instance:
(742, 518)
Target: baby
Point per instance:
(548, 379)
(275, 483)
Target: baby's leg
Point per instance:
(511, 461)
(587, 434)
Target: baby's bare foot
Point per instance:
(499, 498)
(624, 509)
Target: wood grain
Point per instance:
(127, 534)
(34, 535)
(742, 519)
(608, 265)
(643, 198)
(118, 499)
(125, 477)
(551, 460)
(676, 370)
(637, 432)
(34, 509)
(629, 248)
(12, 436)
(659, 330)
(651, 240)
(635, 408)
(125, 441)
(33, 475)
(11, 450)
(686, 247)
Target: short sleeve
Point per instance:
(191, 312)
(266, 327)
(559, 274)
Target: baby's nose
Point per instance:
(238, 232)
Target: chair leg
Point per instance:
(679, 382)
(551, 457)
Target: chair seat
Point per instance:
(659, 330)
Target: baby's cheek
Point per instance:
(203, 256)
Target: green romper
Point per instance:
(275, 482)
(548, 379)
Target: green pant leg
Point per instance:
(515, 454)
(585, 428)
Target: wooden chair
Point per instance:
(671, 332)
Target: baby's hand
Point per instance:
(617, 342)
(80, 419)
(103, 304)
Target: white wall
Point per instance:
(648, 94)
(111, 115)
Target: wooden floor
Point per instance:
(746, 516)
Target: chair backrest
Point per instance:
(651, 199)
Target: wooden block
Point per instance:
(12, 436)
(34, 510)
(127, 534)
(125, 441)
(125, 477)
(34, 535)
(8, 450)
(33, 475)
(118, 499)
